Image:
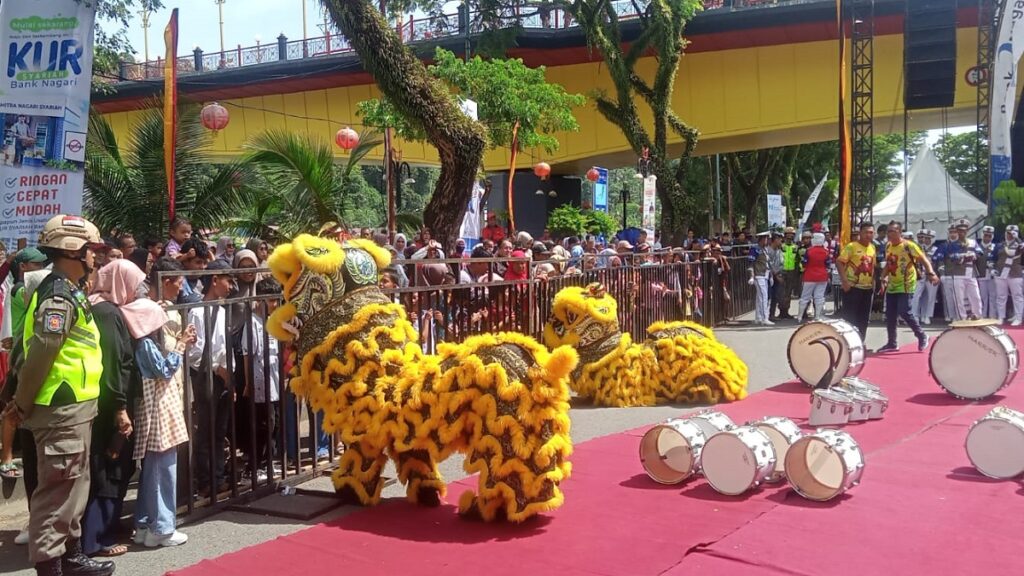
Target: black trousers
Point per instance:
(857, 309)
(898, 305)
(213, 406)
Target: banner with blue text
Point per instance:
(44, 112)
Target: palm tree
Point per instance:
(298, 186)
(126, 183)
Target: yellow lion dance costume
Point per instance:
(500, 399)
(679, 361)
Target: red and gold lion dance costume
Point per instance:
(678, 362)
(500, 399)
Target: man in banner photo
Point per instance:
(46, 59)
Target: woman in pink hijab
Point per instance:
(110, 454)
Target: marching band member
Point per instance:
(962, 253)
(923, 304)
(760, 272)
(1009, 276)
(948, 293)
(986, 284)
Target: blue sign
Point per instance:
(601, 190)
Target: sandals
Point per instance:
(10, 470)
(115, 550)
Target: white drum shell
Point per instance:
(670, 452)
(782, 432)
(860, 385)
(824, 465)
(738, 460)
(829, 408)
(861, 410)
(810, 362)
(995, 444)
(712, 422)
(974, 362)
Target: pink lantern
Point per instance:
(542, 170)
(346, 139)
(593, 174)
(214, 117)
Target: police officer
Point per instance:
(790, 272)
(58, 384)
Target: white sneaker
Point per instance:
(1015, 323)
(140, 535)
(22, 538)
(926, 321)
(174, 539)
(769, 323)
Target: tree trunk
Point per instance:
(423, 100)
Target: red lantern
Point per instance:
(542, 170)
(346, 138)
(593, 174)
(214, 117)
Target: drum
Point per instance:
(712, 422)
(995, 444)
(810, 361)
(782, 432)
(861, 403)
(822, 466)
(829, 408)
(859, 384)
(879, 401)
(670, 452)
(973, 362)
(738, 460)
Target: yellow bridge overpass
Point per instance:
(757, 74)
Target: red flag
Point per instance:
(845, 144)
(171, 106)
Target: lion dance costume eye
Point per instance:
(500, 399)
(678, 362)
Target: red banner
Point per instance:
(171, 106)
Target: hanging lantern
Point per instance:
(346, 138)
(214, 117)
(542, 170)
(593, 174)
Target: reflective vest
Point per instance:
(789, 256)
(79, 362)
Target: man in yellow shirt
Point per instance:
(857, 273)
(902, 257)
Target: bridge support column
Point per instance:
(197, 58)
(282, 47)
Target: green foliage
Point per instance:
(126, 184)
(1009, 203)
(600, 223)
(111, 44)
(506, 92)
(959, 153)
(567, 220)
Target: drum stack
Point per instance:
(736, 459)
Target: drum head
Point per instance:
(781, 445)
(814, 469)
(810, 361)
(666, 455)
(996, 448)
(729, 466)
(969, 363)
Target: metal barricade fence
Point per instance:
(246, 442)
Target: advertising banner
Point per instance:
(601, 190)
(1009, 47)
(650, 198)
(776, 214)
(46, 57)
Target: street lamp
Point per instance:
(145, 33)
(220, 12)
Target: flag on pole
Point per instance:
(845, 144)
(811, 201)
(171, 106)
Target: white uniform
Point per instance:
(922, 305)
(986, 284)
(1009, 280)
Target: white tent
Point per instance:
(935, 198)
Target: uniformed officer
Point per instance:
(790, 272)
(58, 383)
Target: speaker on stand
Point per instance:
(929, 54)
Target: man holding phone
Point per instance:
(899, 281)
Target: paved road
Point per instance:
(763, 349)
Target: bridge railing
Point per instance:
(529, 15)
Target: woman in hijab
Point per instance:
(400, 246)
(241, 315)
(226, 249)
(110, 455)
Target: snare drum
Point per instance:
(822, 466)
(879, 401)
(782, 432)
(712, 422)
(973, 362)
(738, 460)
(860, 385)
(995, 444)
(829, 408)
(861, 403)
(810, 361)
(670, 452)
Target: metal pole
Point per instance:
(625, 198)
(145, 34)
(718, 187)
(906, 188)
(220, 12)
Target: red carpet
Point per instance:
(920, 509)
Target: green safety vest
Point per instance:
(789, 256)
(79, 362)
